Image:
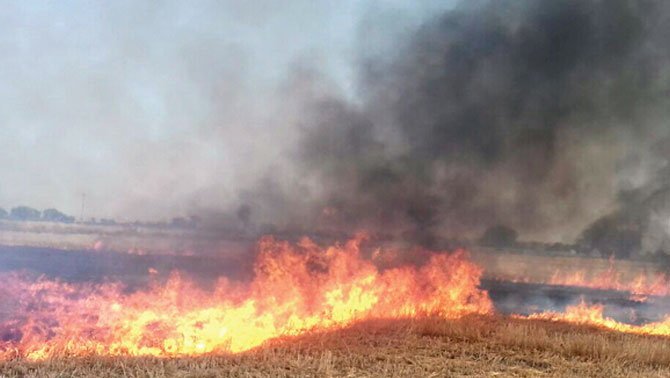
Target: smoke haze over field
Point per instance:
(412, 120)
(154, 110)
(542, 115)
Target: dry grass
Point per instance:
(473, 346)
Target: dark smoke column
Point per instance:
(498, 112)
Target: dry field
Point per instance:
(472, 346)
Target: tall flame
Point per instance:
(296, 288)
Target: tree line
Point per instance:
(26, 213)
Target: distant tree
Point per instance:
(3, 213)
(613, 234)
(244, 215)
(53, 215)
(24, 213)
(268, 228)
(499, 236)
(180, 222)
(195, 220)
(559, 247)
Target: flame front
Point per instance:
(638, 279)
(592, 315)
(297, 288)
(641, 285)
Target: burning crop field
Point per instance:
(341, 309)
(351, 188)
(295, 289)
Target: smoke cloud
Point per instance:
(421, 122)
(541, 115)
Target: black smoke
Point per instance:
(527, 113)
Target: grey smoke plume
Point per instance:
(543, 116)
(540, 115)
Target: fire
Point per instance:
(593, 315)
(297, 288)
(640, 286)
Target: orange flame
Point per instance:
(593, 315)
(640, 286)
(297, 288)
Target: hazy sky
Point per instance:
(152, 108)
